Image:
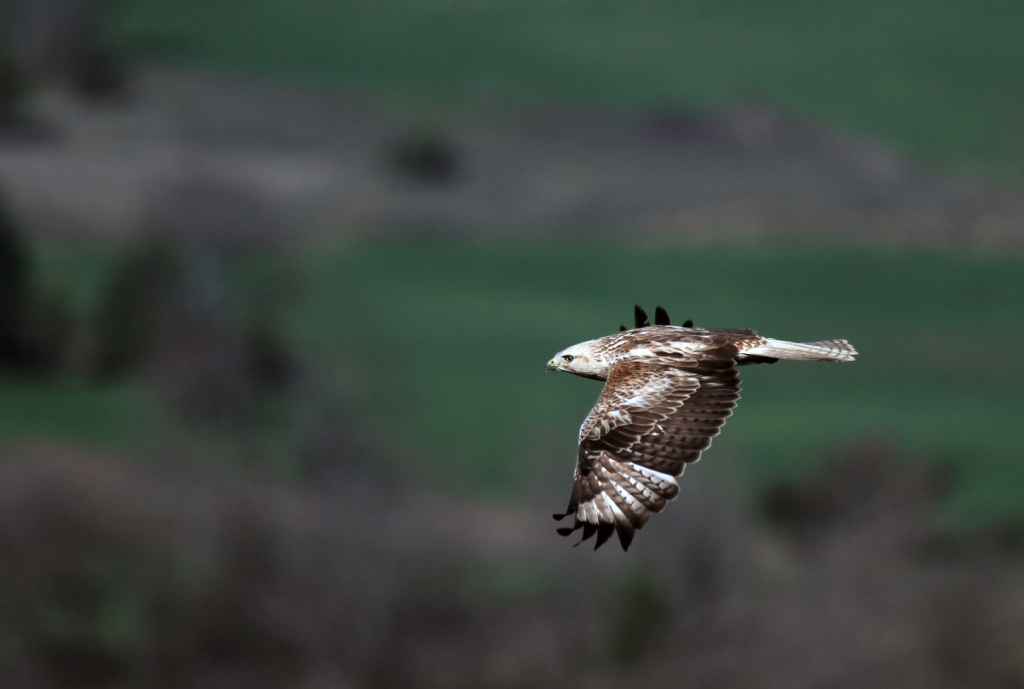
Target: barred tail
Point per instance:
(827, 350)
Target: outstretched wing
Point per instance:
(651, 420)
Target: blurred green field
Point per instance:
(439, 350)
(941, 80)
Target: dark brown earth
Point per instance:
(241, 160)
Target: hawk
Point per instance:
(668, 391)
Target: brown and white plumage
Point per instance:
(668, 391)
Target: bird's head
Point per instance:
(581, 360)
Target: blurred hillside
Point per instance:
(250, 161)
(939, 81)
(889, 122)
(277, 283)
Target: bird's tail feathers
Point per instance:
(827, 350)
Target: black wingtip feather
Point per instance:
(621, 328)
(661, 316)
(688, 324)
(588, 531)
(640, 317)
(604, 532)
(625, 537)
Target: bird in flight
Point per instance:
(668, 391)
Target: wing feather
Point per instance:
(650, 421)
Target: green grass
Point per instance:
(72, 413)
(439, 350)
(942, 80)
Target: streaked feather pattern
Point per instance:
(668, 392)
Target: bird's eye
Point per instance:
(568, 357)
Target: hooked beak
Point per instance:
(552, 366)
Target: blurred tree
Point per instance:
(63, 41)
(14, 267)
(166, 316)
(140, 294)
(13, 87)
(36, 330)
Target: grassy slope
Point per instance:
(943, 80)
(441, 347)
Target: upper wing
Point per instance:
(651, 420)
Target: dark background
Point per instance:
(278, 280)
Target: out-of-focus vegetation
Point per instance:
(288, 425)
(439, 349)
(940, 80)
(121, 576)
